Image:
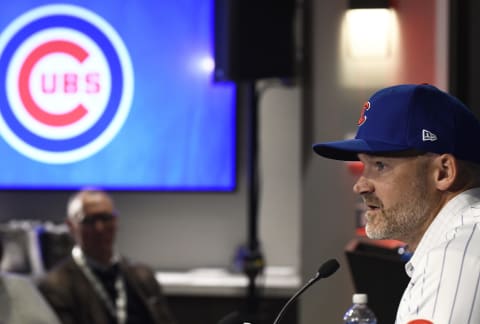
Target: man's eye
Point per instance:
(379, 165)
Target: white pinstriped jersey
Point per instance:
(445, 267)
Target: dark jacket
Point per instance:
(75, 301)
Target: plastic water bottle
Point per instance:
(359, 313)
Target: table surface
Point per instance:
(275, 282)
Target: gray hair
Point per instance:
(75, 202)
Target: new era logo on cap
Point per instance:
(428, 136)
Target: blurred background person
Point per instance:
(95, 284)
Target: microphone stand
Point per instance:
(252, 259)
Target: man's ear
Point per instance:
(446, 174)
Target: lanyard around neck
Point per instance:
(120, 310)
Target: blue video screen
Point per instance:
(114, 94)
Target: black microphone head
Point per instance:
(328, 268)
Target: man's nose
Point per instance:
(362, 186)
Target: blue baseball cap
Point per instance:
(410, 117)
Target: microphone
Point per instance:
(327, 269)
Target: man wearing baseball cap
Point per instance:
(421, 185)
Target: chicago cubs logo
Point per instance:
(363, 118)
(66, 83)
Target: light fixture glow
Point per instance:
(369, 33)
(370, 47)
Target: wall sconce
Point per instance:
(369, 4)
(369, 25)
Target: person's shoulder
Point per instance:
(61, 273)
(461, 247)
(139, 269)
(143, 276)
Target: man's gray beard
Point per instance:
(402, 220)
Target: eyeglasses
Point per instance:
(92, 219)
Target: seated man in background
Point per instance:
(95, 285)
(20, 301)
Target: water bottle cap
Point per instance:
(360, 298)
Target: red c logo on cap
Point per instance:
(363, 118)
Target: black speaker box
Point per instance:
(254, 39)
